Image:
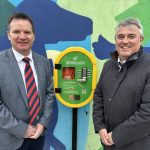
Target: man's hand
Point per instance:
(110, 138)
(104, 137)
(39, 131)
(30, 131)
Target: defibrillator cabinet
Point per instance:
(75, 77)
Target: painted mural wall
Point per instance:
(60, 24)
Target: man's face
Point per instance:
(21, 35)
(128, 41)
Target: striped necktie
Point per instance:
(32, 93)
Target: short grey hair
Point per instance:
(131, 21)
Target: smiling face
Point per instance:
(21, 35)
(128, 41)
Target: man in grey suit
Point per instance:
(16, 130)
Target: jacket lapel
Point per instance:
(39, 73)
(16, 74)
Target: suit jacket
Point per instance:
(14, 113)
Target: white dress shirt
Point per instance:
(21, 65)
(120, 62)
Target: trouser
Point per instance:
(33, 144)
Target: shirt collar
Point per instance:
(19, 56)
(122, 62)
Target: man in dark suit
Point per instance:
(121, 110)
(26, 89)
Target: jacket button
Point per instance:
(37, 117)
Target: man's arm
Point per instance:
(98, 111)
(9, 123)
(49, 99)
(98, 107)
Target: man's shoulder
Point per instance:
(3, 53)
(3, 59)
(107, 65)
(146, 56)
(38, 56)
(109, 62)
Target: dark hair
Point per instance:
(20, 16)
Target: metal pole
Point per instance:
(74, 128)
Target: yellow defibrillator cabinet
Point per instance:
(75, 77)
